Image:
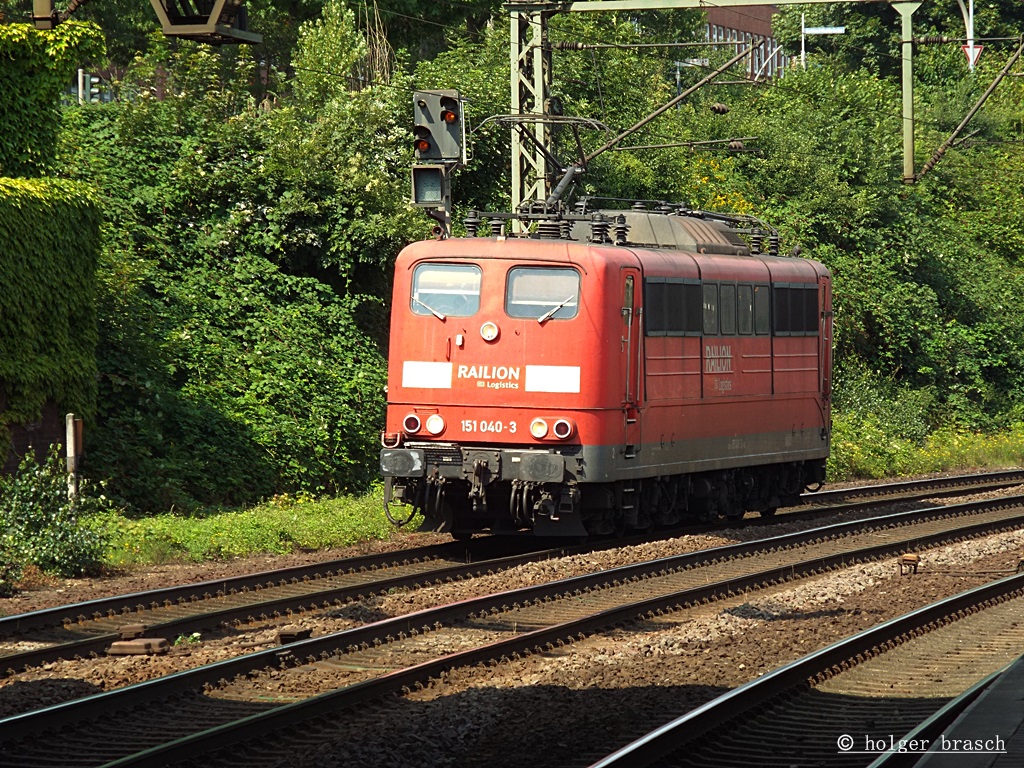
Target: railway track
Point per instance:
(83, 629)
(851, 703)
(244, 699)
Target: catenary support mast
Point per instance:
(532, 178)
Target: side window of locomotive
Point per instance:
(446, 289)
(542, 293)
(795, 310)
(672, 306)
(780, 310)
(710, 309)
(762, 311)
(811, 314)
(727, 309)
(745, 309)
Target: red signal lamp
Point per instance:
(449, 110)
(421, 140)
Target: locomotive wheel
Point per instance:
(768, 511)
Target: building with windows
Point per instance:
(742, 24)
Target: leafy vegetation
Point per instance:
(241, 331)
(41, 527)
(253, 202)
(36, 68)
(48, 299)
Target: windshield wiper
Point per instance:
(547, 315)
(429, 308)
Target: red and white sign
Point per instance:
(972, 54)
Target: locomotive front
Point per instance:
(489, 396)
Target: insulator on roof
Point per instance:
(549, 229)
(621, 230)
(599, 227)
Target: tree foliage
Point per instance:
(254, 200)
(40, 526)
(247, 246)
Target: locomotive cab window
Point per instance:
(446, 289)
(542, 293)
(762, 311)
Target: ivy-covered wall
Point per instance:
(35, 69)
(49, 246)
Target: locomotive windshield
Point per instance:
(446, 289)
(542, 293)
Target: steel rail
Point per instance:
(705, 719)
(138, 602)
(50, 617)
(133, 608)
(927, 487)
(52, 718)
(265, 609)
(126, 604)
(256, 726)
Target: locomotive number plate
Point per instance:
(497, 427)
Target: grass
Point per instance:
(862, 449)
(283, 524)
(288, 523)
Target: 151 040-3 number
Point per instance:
(495, 427)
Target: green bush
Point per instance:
(40, 526)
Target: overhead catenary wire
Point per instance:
(672, 102)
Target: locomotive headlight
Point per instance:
(563, 429)
(489, 331)
(435, 424)
(411, 423)
(538, 428)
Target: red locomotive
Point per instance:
(609, 371)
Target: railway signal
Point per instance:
(439, 130)
(431, 186)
